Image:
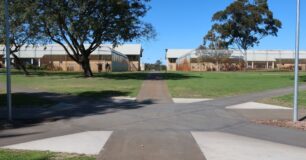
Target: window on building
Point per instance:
(133, 58)
(172, 60)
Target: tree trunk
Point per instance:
(245, 59)
(20, 64)
(86, 67)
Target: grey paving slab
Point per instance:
(221, 146)
(89, 142)
(255, 105)
(286, 136)
(190, 100)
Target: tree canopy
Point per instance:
(80, 27)
(242, 25)
(24, 28)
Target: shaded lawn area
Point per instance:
(103, 84)
(39, 155)
(287, 100)
(26, 100)
(219, 84)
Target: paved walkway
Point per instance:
(154, 89)
(151, 145)
(138, 144)
(161, 129)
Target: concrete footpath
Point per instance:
(224, 146)
(89, 142)
(151, 144)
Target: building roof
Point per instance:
(176, 53)
(128, 49)
(55, 49)
(252, 55)
(273, 55)
(256, 55)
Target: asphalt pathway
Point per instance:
(151, 144)
(158, 128)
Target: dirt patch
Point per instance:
(63, 156)
(301, 125)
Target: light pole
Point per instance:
(8, 61)
(296, 65)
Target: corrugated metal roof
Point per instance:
(273, 55)
(128, 49)
(55, 49)
(252, 55)
(176, 53)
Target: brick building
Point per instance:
(54, 57)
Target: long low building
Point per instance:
(226, 60)
(104, 58)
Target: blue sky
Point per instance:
(183, 23)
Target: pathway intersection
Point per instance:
(153, 127)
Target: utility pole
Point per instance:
(296, 65)
(8, 61)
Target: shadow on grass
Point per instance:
(303, 118)
(146, 76)
(302, 78)
(45, 99)
(27, 100)
(66, 107)
(113, 75)
(102, 94)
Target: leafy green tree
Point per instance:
(242, 25)
(24, 30)
(80, 27)
(215, 41)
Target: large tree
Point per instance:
(24, 28)
(242, 25)
(80, 27)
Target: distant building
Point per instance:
(54, 57)
(172, 55)
(142, 67)
(210, 60)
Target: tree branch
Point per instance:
(60, 43)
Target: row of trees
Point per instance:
(157, 66)
(78, 26)
(242, 25)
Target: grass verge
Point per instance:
(219, 84)
(102, 84)
(287, 100)
(6, 154)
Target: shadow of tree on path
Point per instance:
(113, 75)
(69, 106)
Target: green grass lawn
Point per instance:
(39, 155)
(218, 84)
(287, 100)
(102, 85)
